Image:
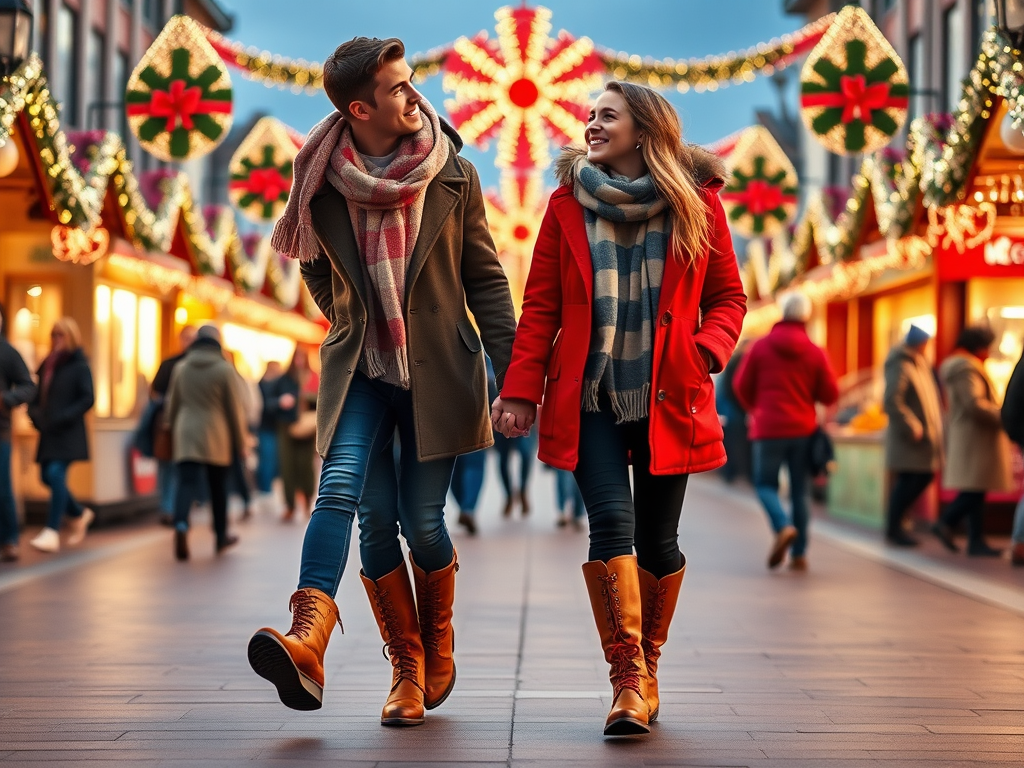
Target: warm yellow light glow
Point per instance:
(35, 290)
(101, 360)
(181, 316)
(149, 337)
(254, 349)
(1012, 313)
(125, 313)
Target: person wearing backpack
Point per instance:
(1012, 414)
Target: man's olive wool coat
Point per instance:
(453, 265)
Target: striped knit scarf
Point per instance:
(628, 229)
(386, 208)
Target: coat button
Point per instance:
(436, 308)
(661, 395)
(414, 310)
(666, 318)
(348, 370)
(693, 409)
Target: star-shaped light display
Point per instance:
(514, 214)
(525, 88)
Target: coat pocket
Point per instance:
(469, 336)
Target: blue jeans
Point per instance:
(267, 469)
(566, 490)
(468, 479)
(55, 475)
(8, 514)
(167, 483)
(769, 456)
(1018, 523)
(359, 477)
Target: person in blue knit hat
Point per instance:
(913, 441)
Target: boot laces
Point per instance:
(397, 646)
(305, 612)
(652, 623)
(625, 669)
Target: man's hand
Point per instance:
(513, 417)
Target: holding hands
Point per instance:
(512, 417)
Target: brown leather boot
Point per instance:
(659, 604)
(435, 593)
(294, 662)
(614, 589)
(395, 610)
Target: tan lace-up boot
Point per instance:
(658, 599)
(395, 610)
(614, 590)
(435, 593)
(294, 662)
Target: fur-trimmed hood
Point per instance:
(705, 167)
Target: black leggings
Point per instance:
(621, 519)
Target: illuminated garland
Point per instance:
(298, 74)
(77, 178)
(708, 73)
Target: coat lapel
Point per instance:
(334, 228)
(443, 194)
(570, 216)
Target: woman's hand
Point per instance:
(286, 401)
(513, 417)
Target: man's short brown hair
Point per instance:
(349, 72)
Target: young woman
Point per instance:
(633, 299)
(64, 396)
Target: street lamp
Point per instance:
(1010, 20)
(15, 34)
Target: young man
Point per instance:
(389, 225)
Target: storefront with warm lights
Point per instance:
(132, 263)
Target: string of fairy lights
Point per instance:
(933, 170)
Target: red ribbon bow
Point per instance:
(862, 99)
(177, 103)
(759, 197)
(267, 183)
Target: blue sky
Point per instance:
(679, 29)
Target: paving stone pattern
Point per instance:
(135, 659)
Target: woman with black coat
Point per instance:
(65, 395)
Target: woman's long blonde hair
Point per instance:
(670, 166)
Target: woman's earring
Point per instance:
(638, 145)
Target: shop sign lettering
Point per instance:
(1004, 252)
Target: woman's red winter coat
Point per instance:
(780, 379)
(701, 305)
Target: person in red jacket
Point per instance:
(778, 383)
(633, 299)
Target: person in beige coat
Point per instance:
(206, 413)
(388, 224)
(977, 448)
(913, 441)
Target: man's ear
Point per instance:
(358, 111)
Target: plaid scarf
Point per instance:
(628, 229)
(386, 208)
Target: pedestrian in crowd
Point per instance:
(295, 392)
(571, 508)
(525, 449)
(268, 468)
(64, 396)
(388, 223)
(207, 419)
(1013, 422)
(16, 388)
(913, 439)
(778, 382)
(977, 448)
(734, 420)
(633, 249)
(469, 471)
(166, 469)
(238, 480)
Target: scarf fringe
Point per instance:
(392, 368)
(631, 405)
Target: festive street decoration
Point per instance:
(524, 87)
(854, 87)
(514, 214)
(961, 226)
(78, 245)
(761, 196)
(261, 171)
(178, 98)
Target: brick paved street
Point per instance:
(127, 657)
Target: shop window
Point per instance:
(954, 62)
(254, 349)
(64, 85)
(999, 303)
(127, 350)
(32, 309)
(95, 112)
